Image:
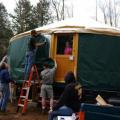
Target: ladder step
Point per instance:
(25, 88)
(29, 100)
(48, 101)
(22, 96)
(26, 81)
(32, 81)
(20, 105)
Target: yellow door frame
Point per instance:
(53, 46)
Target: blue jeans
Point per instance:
(5, 96)
(29, 61)
(62, 111)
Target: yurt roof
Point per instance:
(76, 25)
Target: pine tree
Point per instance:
(42, 12)
(5, 29)
(22, 20)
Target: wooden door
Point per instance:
(65, 61)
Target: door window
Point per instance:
(65, 44)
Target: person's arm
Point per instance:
(55, 64)
(3, 59)
(55, 67)
(40, 43)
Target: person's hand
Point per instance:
(55, 63)
(50, 111)
(4, 58)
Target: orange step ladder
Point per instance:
(23, 99)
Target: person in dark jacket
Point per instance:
(4, 86)
(71, 97)
(33, 44)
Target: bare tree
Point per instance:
(61, 10)
(69, 11)
(96, 10)
(116, 12)
(103, 7)
(56, 7)
(110, 10)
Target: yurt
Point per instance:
(94, 56)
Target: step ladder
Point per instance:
(23, 99)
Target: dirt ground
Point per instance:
(33, 113)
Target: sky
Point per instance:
(80, 7)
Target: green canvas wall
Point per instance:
(16, 52)
(99, 61)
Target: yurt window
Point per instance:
(64, 44)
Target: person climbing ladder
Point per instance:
(31, 52)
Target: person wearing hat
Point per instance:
(70, 99)
(47, 85)
(33, 44)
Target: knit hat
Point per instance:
(69, 78)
